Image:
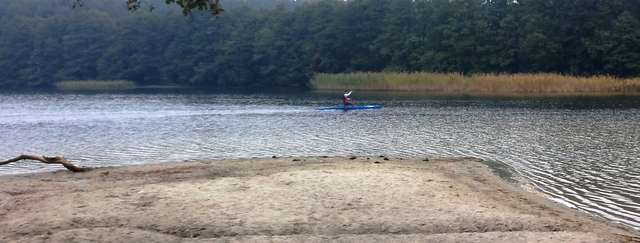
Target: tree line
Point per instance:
(259, 44)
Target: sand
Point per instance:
(289, 200)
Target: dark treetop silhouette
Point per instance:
(186, 5)
(258, 44)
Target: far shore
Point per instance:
(507, 95)
(308, 199)
(107, 85)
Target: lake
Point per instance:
(582, 152)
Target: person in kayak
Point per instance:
(346, 100)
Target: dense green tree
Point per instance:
(395, 42)
(262, 44)
(623, 46)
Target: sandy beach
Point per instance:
(364, 199)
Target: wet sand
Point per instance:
(289, 200)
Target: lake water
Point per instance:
(582, 152)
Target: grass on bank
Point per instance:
(95, 85)
(542, 83)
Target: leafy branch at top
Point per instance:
(186, 5)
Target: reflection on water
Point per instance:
(582, 152)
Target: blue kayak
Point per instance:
(352, 107)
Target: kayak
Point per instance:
(352, 107)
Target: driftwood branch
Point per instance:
(47, 160)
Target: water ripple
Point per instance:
(585, 157)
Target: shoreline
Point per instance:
(441, 93)
(290, 199)
(479, 84)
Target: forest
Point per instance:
(281, 44)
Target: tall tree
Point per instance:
(260, 44)
(623, 46)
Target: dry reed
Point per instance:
(95, 85)
(517, 84)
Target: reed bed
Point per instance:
(95, 85)
(499, 84)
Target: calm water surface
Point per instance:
(582, 152)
